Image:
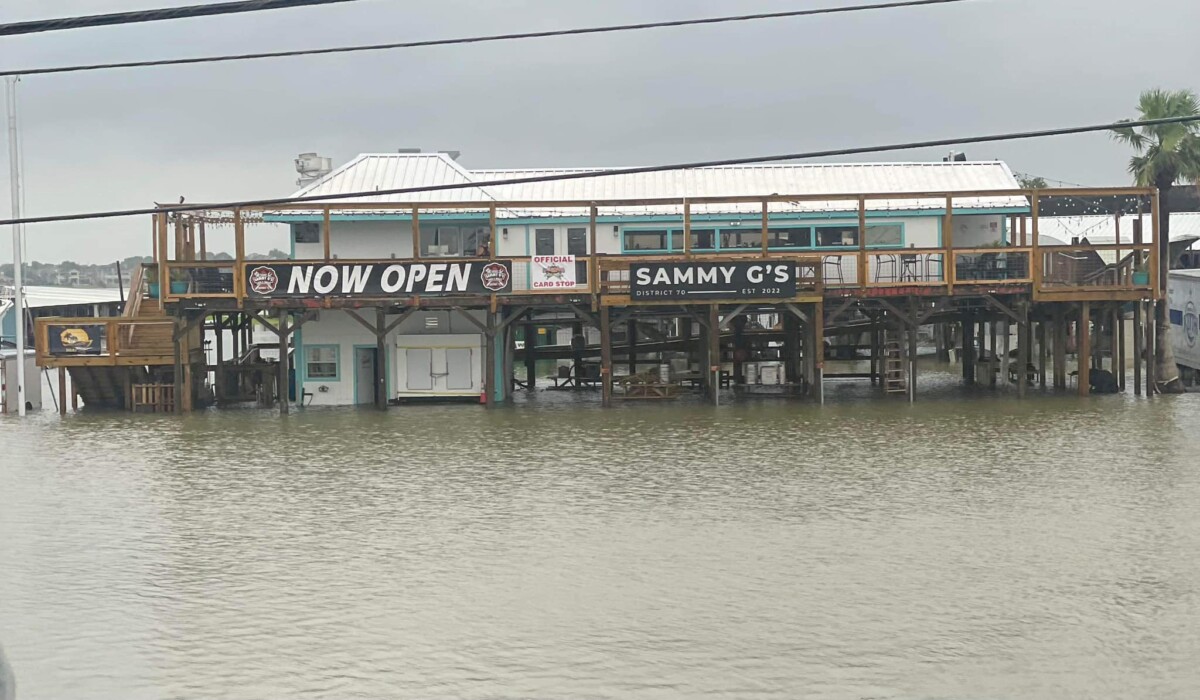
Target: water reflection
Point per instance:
(960, 547)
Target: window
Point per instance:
(453, 240)
(645, 240)
(885, 235)
(577, 244)
(543, 241)
(308, 232)
(704, 239)
(834, 236)
(792, 237)
(321, 361)
(735, 238)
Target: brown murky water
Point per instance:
(962, 547)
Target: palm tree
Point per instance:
(1166, 154)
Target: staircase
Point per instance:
(895, 369)
(105, 387)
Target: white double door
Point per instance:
(440, 370)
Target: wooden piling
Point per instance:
(1118, 340)
(606, 383)
(281, 380)
(489, 360)
(1023, 340)
(968, 351)
(818, 336)
(1138, 350)
(874, 349)
(62, 390)
(219, 375)
(531, 339)
(381, 397)
(994, 354)
(1085, 348)
(714, 352)
(176, 341)
(1060, 348)
(631, 338)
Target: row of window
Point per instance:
(671, 240)
(467, 240)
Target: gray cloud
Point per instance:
(127, 138)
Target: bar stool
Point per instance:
(908, 267)
(834, 262)
(885, 263)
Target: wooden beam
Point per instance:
(797, 311)
(239, 254)
(841, 308)
(714, 353)
(766, 225)
(1138, 342)
(381, 393)
(361, 321)
(724, 325)
(1023, 336)
(326, 234)
(62, 391)
(585, 316)
(203, 242)
(862, 242)
(489, 359)
(948, 242)
(605, 357)
(282, 379)
(484, 328)
(997, 304)
(687, 229)
(512, 317)
(416, 233)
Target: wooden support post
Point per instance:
(994, 353)
(1005, 350)
(874, 335)
(75, 391)
(739, 350)
(239, 255)
(577, 345)
(911, 325)
(203, 243)
(509, 337)
(948, 242)
(1085, 348)
(163, 278)
(791, 339)
(489, 360)
(593, 261)
(687, 227)
(1138, 350)
(1118, 351)
(631, 338)
(219, 345)
(766, 211)
(1023, 341)
(531, 339)
(1149, 319)
(177, 345)
(968, 350)
(818, 336)
(1041, 342)
(714, 352)
(862, 243)
(416, 233)
(282, 379)
(606, 384)
(381, 392)
(326, 234)
(62, 391)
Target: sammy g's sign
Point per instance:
(305, 279)
(741, 279)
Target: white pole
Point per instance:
(14, 175)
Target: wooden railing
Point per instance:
(105, 341)
(1064, 269)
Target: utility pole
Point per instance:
(14, 174)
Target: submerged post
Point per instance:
(605, 357)
(714, 352)
(1023, 336)
(968, 351)
(1137, 348)
(282, 378)
(1085, 349)
(381, 397)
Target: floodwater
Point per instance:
(970, 546)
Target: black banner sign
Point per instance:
(316, 279)
(77, 340)
(741, 279)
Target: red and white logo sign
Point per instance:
(494, 276)
(263, 280)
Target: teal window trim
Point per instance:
(717, 231)
(337, 361)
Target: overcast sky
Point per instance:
(127, 138)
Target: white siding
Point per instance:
(339, 329)
(977, 231)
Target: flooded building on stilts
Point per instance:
(643, 285)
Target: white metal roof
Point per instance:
(1100, 229)
(37, 297)
(403, 170)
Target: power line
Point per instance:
(136, 16)
(911, 145)
(483, 39)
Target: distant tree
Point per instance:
(1166, 154)
(1032, 182)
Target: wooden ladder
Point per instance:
(895, 369)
